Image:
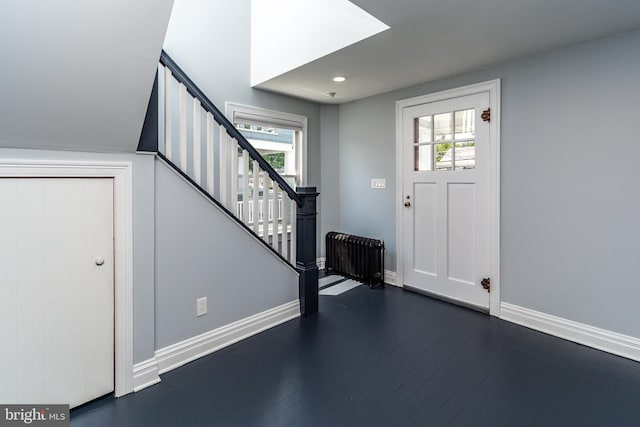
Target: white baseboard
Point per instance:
(321, 262)
(601, 339)
(390, 278)
(181, 353)
(145, 374)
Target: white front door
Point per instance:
(57, 290)
(446, 198)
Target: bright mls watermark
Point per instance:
(34, 415)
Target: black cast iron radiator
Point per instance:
(360, 258)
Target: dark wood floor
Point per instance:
(388, 358)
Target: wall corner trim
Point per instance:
(145, 374)
(601, 339)
(390, 278)
(176, 355)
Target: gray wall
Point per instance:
(367, 150)
(143, 257)
(201, 252)
(329, 199)
(569, 176)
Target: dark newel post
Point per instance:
(149, 137)
(306, 250)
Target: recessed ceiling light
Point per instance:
(339, 79)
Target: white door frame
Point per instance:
(123, 243)
(493, 87)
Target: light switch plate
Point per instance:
(379, 183)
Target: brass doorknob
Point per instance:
(407, 204)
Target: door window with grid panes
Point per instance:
(445, 141)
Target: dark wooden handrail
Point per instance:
(222, 120)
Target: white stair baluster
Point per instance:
(265, 206)
(197, 131)
(228, 174)
(245, 187)
(256, 191)
(285, 228)
(168, 119)
(210, 155)
(182, 126)
(293, 206)
(274, 219)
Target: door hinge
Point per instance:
(486, 115)
(486, 283)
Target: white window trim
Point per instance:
(270, 117)
(123, 243)
(493, 87)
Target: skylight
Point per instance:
(286, 34)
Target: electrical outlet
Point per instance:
(201, 306)
(379, 183)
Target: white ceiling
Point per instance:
(432, 39)
(307, 19)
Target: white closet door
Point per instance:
(57, 288)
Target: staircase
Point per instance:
(190, 134)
